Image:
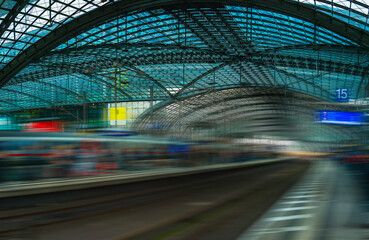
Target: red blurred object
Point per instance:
(107, 166)
(46, 126)
(356, 159)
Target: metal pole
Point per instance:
(151, 104)
(84, 107)
(115, 96)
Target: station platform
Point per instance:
(13, 189)
(183, 206)
(326, 203)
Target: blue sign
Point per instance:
(178, 148)
(341, 118)
(342, 95)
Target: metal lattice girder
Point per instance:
(106, 62)
(165, 54)
(191, 48)
(28, 95)
(266, 60)
(17, 106)
(308, 63)
(48, 103)
(10, 17)
(24, 22)
(205, 100)
(152, 79)
(86, 21)
(91, 76)
(28, 77)
(270, 83)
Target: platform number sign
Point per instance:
(342, 95)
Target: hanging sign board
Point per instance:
(342, 95)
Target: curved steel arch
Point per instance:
(12, 104)
(92, 77)
(5, 113)
(31, 78)
(255, 92)
(236, 60)
(108, 61)
(150, 78)
(242, 113)
(59, 87)
(268, 61)
(106, 12)
(12, 14)
(260, 91)
(259, 56)
(28, 95)
(238, 106)
(50, 104)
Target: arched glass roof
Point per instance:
(54, 52)
(25, 22)
(354, 12)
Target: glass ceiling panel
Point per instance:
(5, 7)
(264, 28)
(176, 76)
(328, 81)
(354, 12)
(273, 29)
(36, 20)
(341, 55)
(140, 27)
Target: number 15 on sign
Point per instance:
(342, 95)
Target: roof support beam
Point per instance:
(28, 95)
(92, 77)
(200, 77)
(50, 104)
(10, 17)
(109, 11)
(300, 79)
(194, 53)
(109, 62)
(96, 79)
(12, 104)
(258, 63)
(137, 70)
(364, 76)
(59, 87)
(152, 79)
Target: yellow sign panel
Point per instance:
(118, 113)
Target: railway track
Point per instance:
(228, 218)
(188, 207)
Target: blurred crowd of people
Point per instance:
(27, 160)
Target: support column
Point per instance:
(84, 108)
(151, 106)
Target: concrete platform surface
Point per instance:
(326, 203)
